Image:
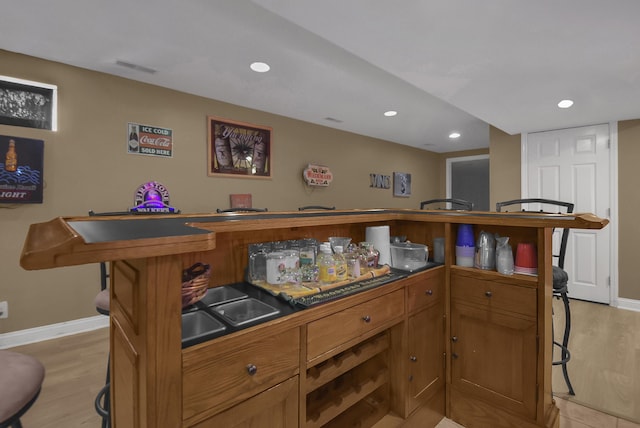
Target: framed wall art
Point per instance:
(28, 104)
(401, 184)
(238, 149)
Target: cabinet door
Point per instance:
(494, 357)
(426, 355)
(276, 407)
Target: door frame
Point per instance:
(613, 209)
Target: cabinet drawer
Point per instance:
(505, 297)
(222, 377)
(424, 290)
(327, 333)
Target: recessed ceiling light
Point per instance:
(390, 113)
(260, 67)
(565, 103)
(454, 135)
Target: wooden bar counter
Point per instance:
(470, 344)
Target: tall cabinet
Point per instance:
(470, 344)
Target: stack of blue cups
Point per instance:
(465, 246)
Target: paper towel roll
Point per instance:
(380, 237)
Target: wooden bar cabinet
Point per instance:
(470, 344)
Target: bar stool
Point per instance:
(21, 378)
(316, 208)
(102, 301)
(241, 210)
(560, 280)
(454, 203)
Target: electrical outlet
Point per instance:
(4, 309)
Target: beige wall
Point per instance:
(504, 166)
(86, 167)
(628, 208)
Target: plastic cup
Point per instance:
(526, 259)
(465, 236)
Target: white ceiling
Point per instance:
(444, 65)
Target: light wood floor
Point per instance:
(605, 358)
(604, 369)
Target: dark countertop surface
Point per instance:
(283, 306)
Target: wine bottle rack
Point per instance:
(346, 387)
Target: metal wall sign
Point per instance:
(317, 175)
(149, 140)
(380, 181)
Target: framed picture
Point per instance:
(28, 104)
(401, 184)
(238, 149)
(21, 170)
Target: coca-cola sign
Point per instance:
(149, 140)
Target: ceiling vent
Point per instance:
(136, 67)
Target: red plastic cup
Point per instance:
(526, 259)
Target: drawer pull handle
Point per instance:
(366, 318)
(429, 292)
(454, 356)
(252, 369)
(488, 293)
(454, 339)
(413, 358)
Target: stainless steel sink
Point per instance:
(244, 311)
(222, 294)
(198, 324)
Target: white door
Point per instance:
(572, 165)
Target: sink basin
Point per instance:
(199, 324)
(245, 311)
(222, 294)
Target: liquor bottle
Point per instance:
(11, 159)
(341, 264)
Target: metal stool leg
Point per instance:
(103, 399)
(564, 346)
(565, 342)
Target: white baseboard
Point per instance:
(52, 331)
(630, 304)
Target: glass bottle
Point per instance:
(372, 255)
(341, 263)
(353, 263)
(308, 267)
(326, 265)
